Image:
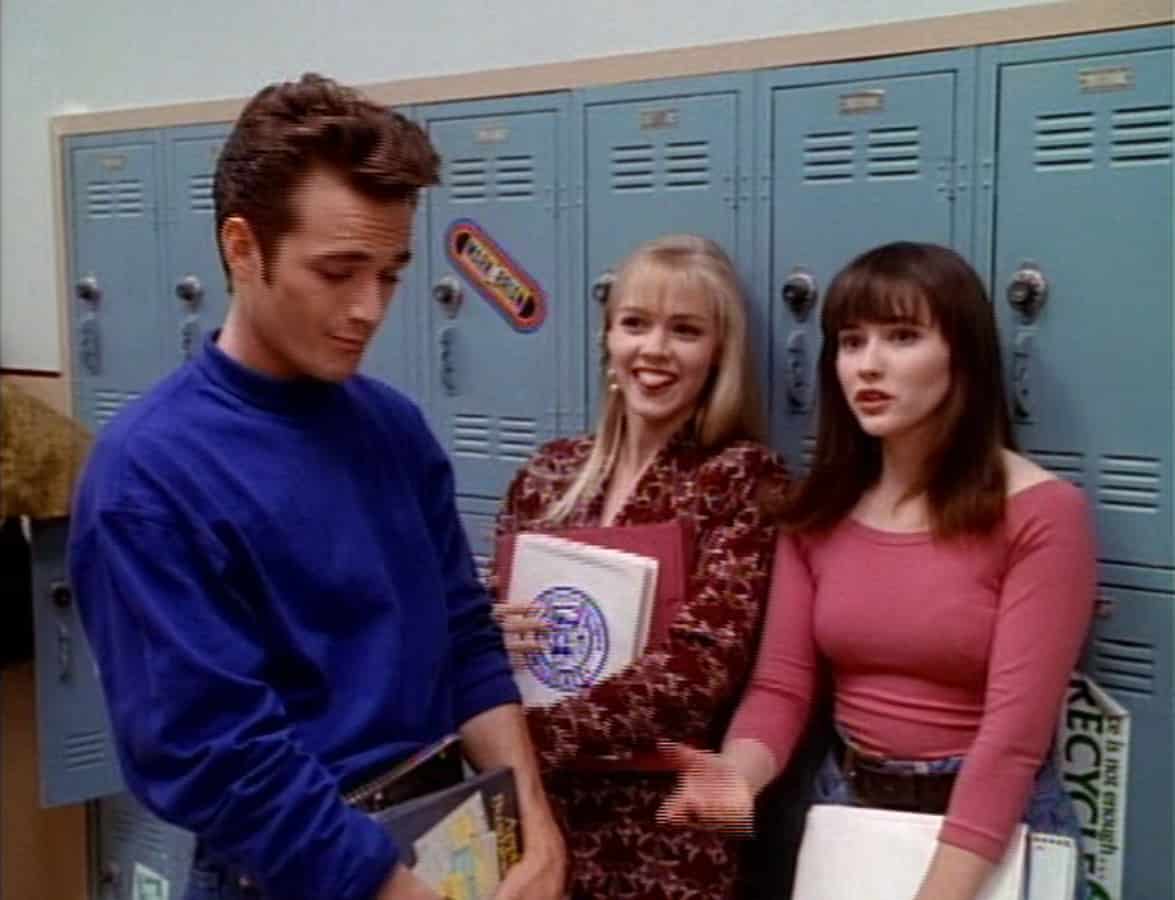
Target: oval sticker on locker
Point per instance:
(505, 285)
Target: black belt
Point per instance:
(873, 785)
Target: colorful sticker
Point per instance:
(497, 277)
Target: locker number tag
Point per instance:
(862, 102)
(505, 285)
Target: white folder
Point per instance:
(598, 604)
(858, 853)
(1052, 867)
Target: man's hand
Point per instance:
(403, 885)
(541, 874)
(498, 737)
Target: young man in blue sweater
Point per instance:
(266, 549)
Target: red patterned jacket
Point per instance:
(685, 687)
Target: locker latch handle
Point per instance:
(62, 599)
(602, 286)
(89, 290)
(446, 339)
(90, 343)
(800, 293)
(448, 295)
(796, 373)
(1027, 291)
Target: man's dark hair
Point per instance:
(289, 129)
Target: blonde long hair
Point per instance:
(729, 407)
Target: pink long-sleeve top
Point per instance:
(936, 648)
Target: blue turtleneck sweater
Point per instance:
(281, 599)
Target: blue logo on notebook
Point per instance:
(577, 643)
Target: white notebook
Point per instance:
(858, 853)
(598, 603)
(1052, 867)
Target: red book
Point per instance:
(671, 544)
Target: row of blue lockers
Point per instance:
(1048, 164)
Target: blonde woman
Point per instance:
(678, 437)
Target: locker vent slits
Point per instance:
(482, 563)
(1140, 136)
(471, 435)
(100, 200)
(108, 403)
(518, 439)
(128, 198)
(514, 177)
(828, 157)
(122, 198)
(1063, 464)
(122, 825)
(632, 167)
(1064, 141)
(1129, 483)
(467, 180)
(84, 750)
(894, 153)
(687, 164)
(141, 833)
(1125, 666)
(131, 831)
(200, 193)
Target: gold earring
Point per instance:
(613, 385)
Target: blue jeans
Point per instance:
(1050, 809)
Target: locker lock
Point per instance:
(60, 595)
(189, 289)
(88, 289)
(447, 293)
(602, 287)
(800, 293)
(1028, 290)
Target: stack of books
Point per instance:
(458, 831)
(601, 595)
